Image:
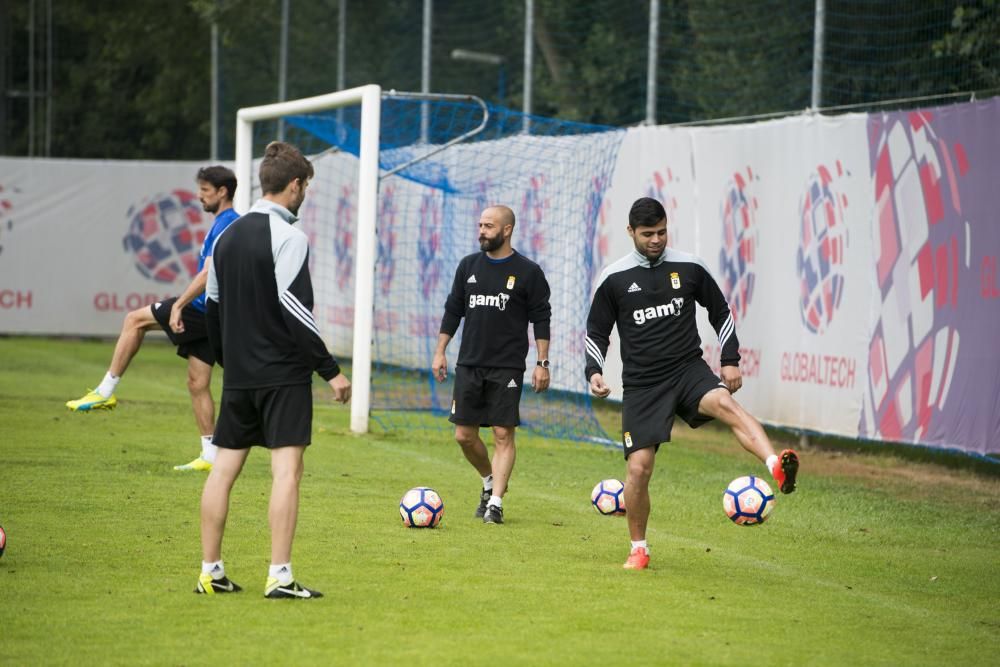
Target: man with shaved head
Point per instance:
(498, 291)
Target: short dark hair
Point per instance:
(282, 164)
(646, 212)
(219, 177)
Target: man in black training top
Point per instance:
(498, 291)
(261, 325)
(650, 294)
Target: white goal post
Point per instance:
(370, 99)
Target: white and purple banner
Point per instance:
(82, 242)
(860, 255)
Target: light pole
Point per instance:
(485, 59)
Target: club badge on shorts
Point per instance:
(628, 440)
(675, 280)
(510, 282)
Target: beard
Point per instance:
(210, 208)
(654, 254)
(296, 204)
(487, 244)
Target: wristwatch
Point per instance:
(544, 363)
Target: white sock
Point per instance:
(640, 543)
(488, 482)
(770, 462)
(495, 501)
(108, 384)
(208, 450)
(283, 573)
(216, 569)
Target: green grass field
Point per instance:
(876, 560)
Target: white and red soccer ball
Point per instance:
(748, 500)
(608, 497)
(421, 507)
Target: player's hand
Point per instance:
(732, 378)
(439, 367)
(540, 379)
(597, 386)
(176, 323)
(341, 388)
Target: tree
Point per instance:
(745, 58)
(120, 89)
(972, 45)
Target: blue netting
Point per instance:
(554, 177)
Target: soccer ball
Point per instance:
(748, 500)
(609, 497)
(421, 507)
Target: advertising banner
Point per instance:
(859, 254)
(784, 209)
(83, 243)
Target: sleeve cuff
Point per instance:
(329, 372)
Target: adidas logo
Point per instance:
(634, 288)
(512, 384)
(472, 279)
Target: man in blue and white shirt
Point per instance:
(183, 320)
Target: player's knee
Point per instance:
(727, 407)
(197, 383)
(139, 319)
(640, 473)
(287, 474)
(640, 470)
(503, 437)
(133, 320)
(465, 437)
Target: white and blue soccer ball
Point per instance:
(608, 497)
(748, 500)
(421, 507)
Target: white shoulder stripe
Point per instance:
(301, 313)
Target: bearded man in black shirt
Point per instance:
(498, 291)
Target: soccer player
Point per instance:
(650, 294)
(498, 291)
(183, 320)
(261, 326)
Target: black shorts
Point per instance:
(648, 412)
(194, 341)
(270, 417)
(487, 396)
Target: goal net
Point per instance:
(441, 160)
